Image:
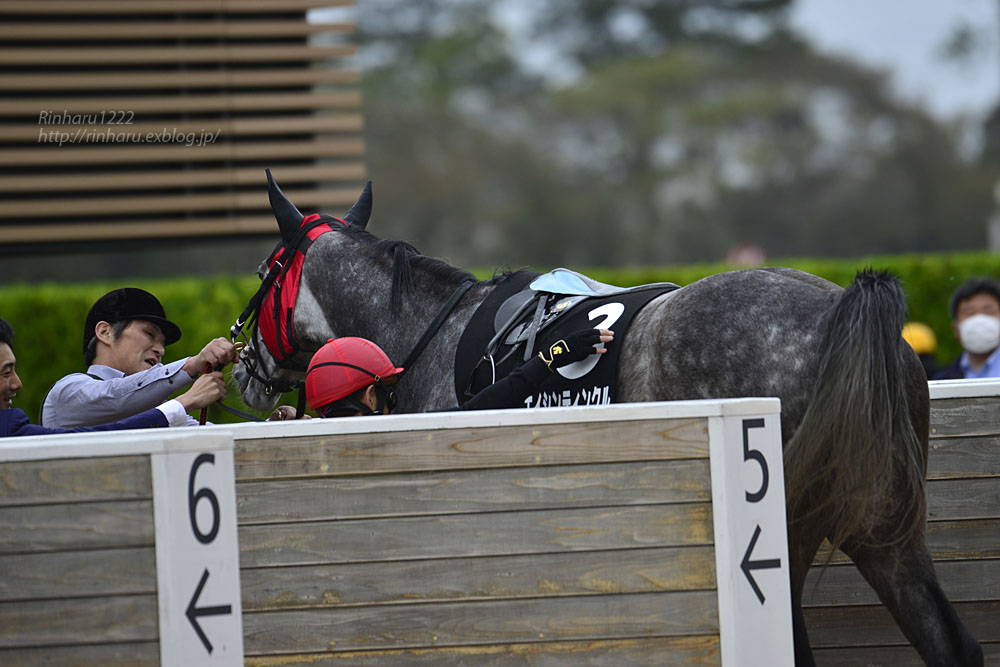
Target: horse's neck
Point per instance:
(341, 307)
(430, 381)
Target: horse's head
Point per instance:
(279, 346)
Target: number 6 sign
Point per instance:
(197, 557)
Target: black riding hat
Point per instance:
(129, 303)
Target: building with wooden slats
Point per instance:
(127, 121)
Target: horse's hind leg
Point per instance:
(803, 542)
(903, 576)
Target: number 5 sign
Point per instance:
(751, 544)
(197, 556)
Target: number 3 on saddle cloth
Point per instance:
(527, 312)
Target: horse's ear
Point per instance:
(362, 209)
(289, 218)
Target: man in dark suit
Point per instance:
(975, 320)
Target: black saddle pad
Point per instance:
(589, 382)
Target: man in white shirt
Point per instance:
(124, 338)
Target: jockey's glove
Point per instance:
(574, 347)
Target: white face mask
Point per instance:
(980, 333)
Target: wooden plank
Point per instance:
(170, 203)
(70, 574)
(129, 618)
(150, 55)
(183, 103)
(870, 625)
(645, 652)
(452, 449)
(75, 480)
(964, 457)
(145, 229)
(964, 539)
(328, 498)
(491, 577)
(178, 178)
(464, 624)
(964, 416)
(76, 526)
(117, 7)
(948, 540)
(961, 580)
(90, 154)
(105, 655)
(886, 656)
(951, 499)
(102, 31)
(467, 535)
(151, 80)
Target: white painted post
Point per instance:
(197, 553)
(751, 544)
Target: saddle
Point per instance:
(522, 316)
(528, 311)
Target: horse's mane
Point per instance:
(405, 257)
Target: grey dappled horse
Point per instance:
(854, 399)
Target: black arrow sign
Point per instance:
(194, 612)
(747, 565)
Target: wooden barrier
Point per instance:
(847, 624)
(91, 570)
(565, 536)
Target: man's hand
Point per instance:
(209, 388)
(217, 354)
(576, 347)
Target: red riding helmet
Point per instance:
(343, 366)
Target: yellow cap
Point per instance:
(920, 337)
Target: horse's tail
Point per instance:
(857, 460)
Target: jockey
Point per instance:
(353, 376)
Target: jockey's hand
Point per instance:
(576, 347)
(284, 412)
(216, 354)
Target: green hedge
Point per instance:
(49, 318)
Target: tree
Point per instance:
(657, 132)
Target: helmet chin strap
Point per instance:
(381, 400)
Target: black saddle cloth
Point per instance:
(588, 382)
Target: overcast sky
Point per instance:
(905, 38)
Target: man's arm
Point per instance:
(206, 390)
(80, 400)
(14, 422)
(512, 390)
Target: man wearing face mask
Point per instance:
(975, 319)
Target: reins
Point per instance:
(251, 317)
(436, 323)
